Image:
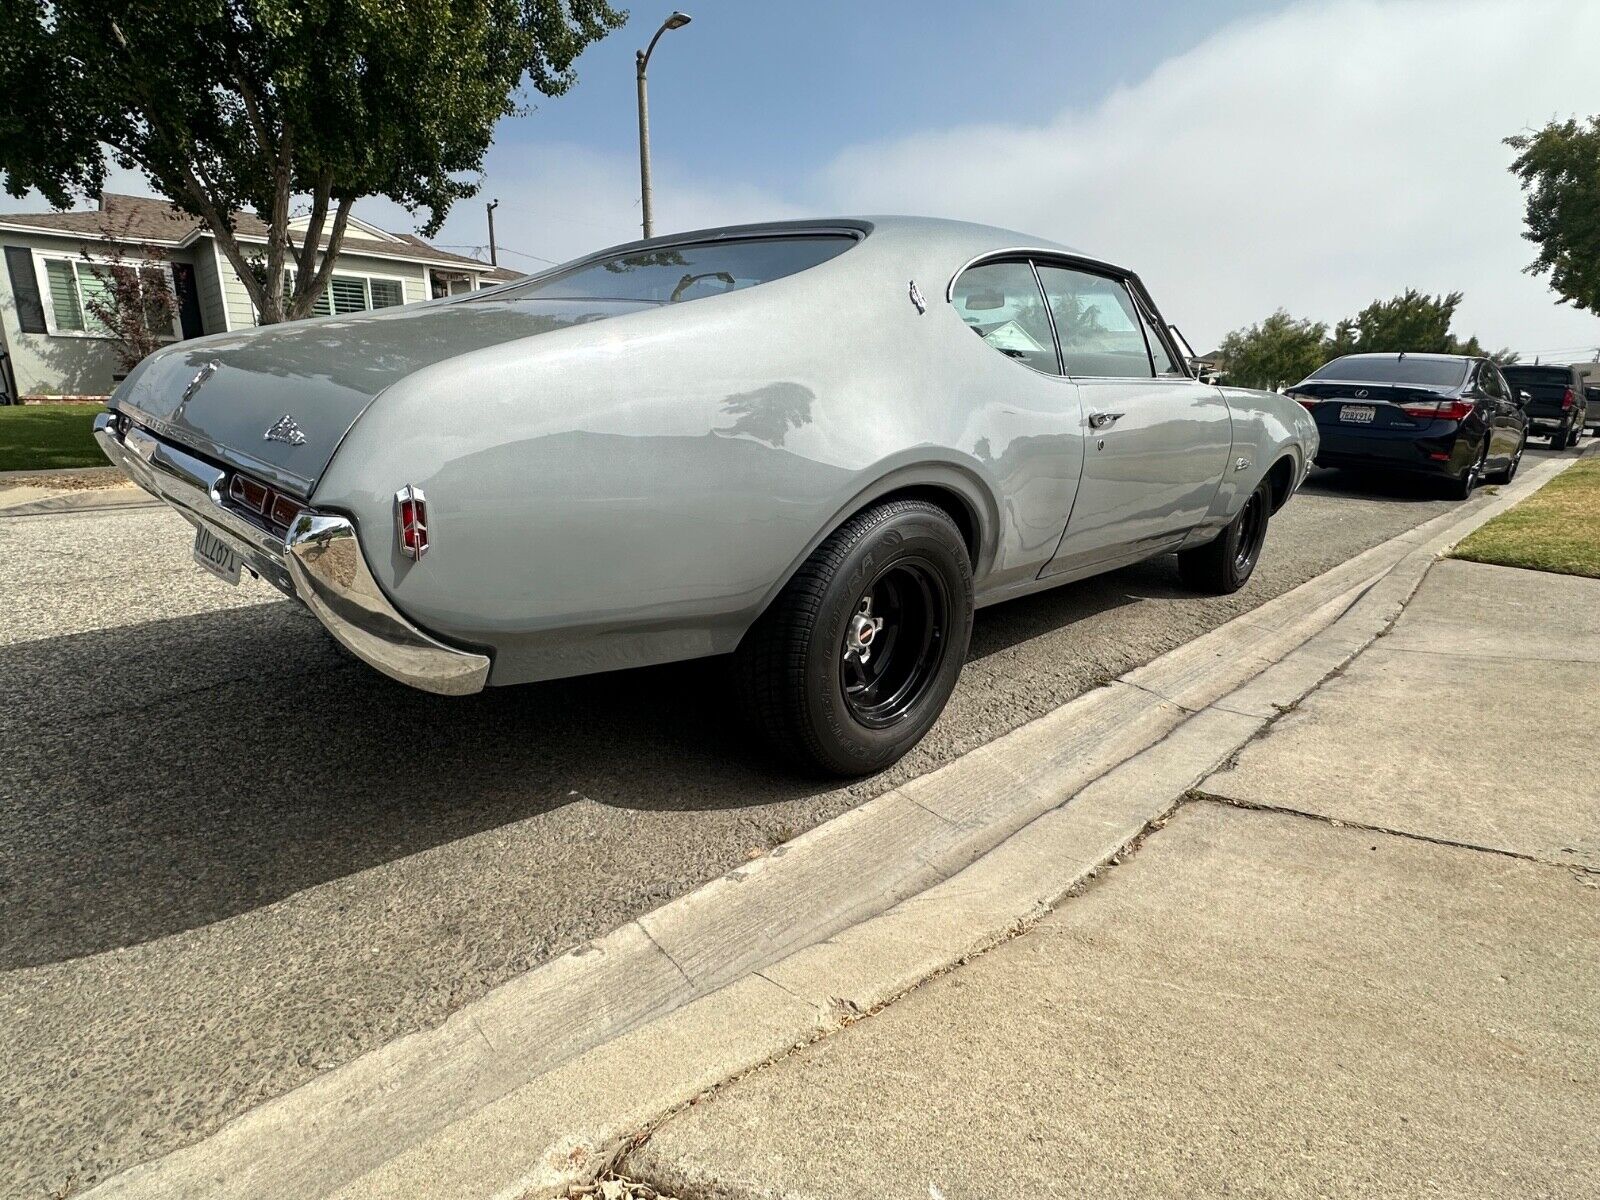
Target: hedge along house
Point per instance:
(51, 346)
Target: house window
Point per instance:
(351, 293)
(74, 284)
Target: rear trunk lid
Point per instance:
(276, 401)
(1347, 404)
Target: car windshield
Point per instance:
(672, 274)
(1398, 368)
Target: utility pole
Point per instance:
(641, 61)
(494, 258)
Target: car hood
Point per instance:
(276, 401)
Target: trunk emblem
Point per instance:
(286, 431)
(1362, 393)
(195, 384)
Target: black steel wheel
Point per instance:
(853, 662)
(1226, 563)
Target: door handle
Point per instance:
(1101, 420)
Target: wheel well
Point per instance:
(952, 503)
(1281, 478)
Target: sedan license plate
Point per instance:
(1358, 414)
(216, 556)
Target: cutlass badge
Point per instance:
(916, 297)
(286, 431)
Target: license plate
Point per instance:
(1358, 414)
(216, 556)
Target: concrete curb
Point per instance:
(538, 1084)
(91, 500)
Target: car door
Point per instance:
(1157, 441)
(1024, 414)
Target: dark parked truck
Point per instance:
(1558, 405)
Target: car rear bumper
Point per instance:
(1394, 450)
(318, 561)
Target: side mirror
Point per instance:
(1524, 399)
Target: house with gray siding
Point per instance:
(52, 346)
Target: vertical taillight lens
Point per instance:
(1568, 399)
(411, 521)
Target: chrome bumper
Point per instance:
(319, 563)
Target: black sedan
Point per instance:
(1445, 415)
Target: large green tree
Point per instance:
(1280, 350)
(1559, 167)
(243, 105)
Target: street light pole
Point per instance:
(642, 61)
(494, 258)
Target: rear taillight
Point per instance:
(1439, 410)
(411, 521)
(1568, 399)
(1307, 402)
(250, 494)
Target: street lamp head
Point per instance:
(678, 20)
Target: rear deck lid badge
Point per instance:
(916, 298)
(286, 431)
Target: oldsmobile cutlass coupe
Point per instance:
(815, 446)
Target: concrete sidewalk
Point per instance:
(1361, 961)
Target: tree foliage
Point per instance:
(241, 105)
(134, 303)
(1280, 350)
(1559, 167)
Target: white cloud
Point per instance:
(1315, 160)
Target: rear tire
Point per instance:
(1462, 487)
(1225, 564)
(1510, 472)
(1574, 435)
(854, 661)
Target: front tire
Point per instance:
(854, 661)
(1225, 564)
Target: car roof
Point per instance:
(1408, 354)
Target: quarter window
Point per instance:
(1102, 332)
(1002, 304)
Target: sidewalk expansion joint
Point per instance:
(1139, 687)
(1197, 796)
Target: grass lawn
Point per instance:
(43, 437)
(1555, 529)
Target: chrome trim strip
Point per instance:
(321, 564)
(331, 575)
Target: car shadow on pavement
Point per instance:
(167, 775)
(162, 776)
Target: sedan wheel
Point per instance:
(1462, 487)
(1510, 472)
(855, 659)
(1226, 563)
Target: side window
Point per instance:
(1101, 330)
(1000, 302)
(1158, 348)
(1489, 381)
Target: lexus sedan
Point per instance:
(815, 446)
(1447, 416)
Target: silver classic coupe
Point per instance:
(817, 446)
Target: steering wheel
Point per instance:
(688, 281)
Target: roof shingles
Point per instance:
(143, 219)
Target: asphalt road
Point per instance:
(231, 857)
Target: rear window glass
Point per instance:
(1384, 368)
(673, 274)
(1557, 376)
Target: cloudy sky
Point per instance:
(1242, 155)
